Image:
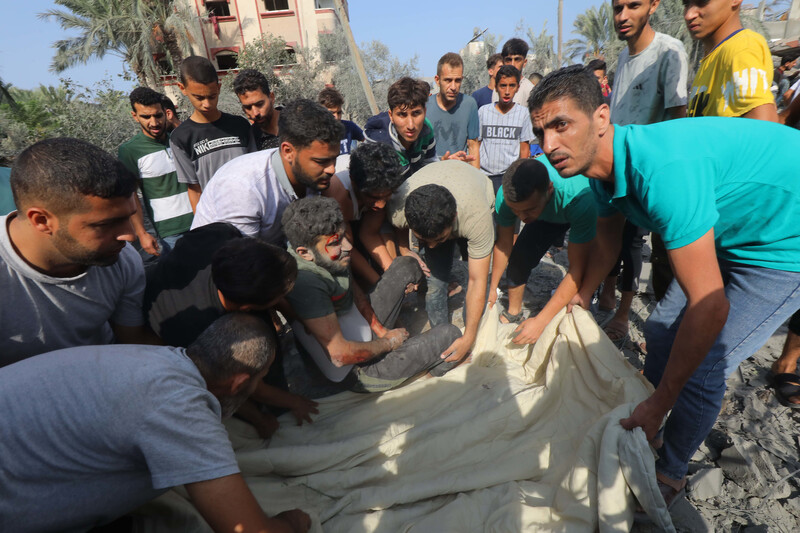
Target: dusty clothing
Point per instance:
(474, 202)
(41, 313)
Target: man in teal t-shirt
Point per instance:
(726, 200)
(549, 205)
(149, 157)
(6, 197)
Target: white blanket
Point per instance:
(522, 439)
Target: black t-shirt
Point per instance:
(180, 300)
(264, 141)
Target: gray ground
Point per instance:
(746, 476)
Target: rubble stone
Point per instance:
(706, 484)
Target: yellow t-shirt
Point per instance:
(733, 79)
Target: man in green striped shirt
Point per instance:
(149, 156)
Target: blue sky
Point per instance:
(425, 28)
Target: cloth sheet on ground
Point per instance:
(523, 438)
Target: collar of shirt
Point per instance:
(276, 161)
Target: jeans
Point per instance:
(761, 299)
(440, 262)
(533, 242)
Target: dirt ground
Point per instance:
(745, 477)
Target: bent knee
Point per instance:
(408, 268)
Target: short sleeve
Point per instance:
(674, 75)
(183, 439)
(504, 216)
(527, 129)
(356, 132)
(310, 297)
(128, 311)
(480, 235)
(751, 80)
(183, 165)
(582, 215)
(239, 206)
(481, 119)
(474, 124)
(124, 155)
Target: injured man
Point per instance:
(346, 333)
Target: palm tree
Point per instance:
(545, 58)
(135, 30)
(5, 94)
(597, 37)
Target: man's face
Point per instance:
(449, 82)
(96, 236)
(314, 165)
(704, 17)
(567, 135)
(600, 74)
(374, 200)
(506, 89)
(257, 106)
(631, 16)
(336, 111)
(152, 119)
(515, 60)
(332, 252)
(408, 123)
(436, 241)
(531, 209)
(202, 96)
(230, 404)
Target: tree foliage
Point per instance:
(596, 36)
(135, 30)
(475, 75)
(545, 57)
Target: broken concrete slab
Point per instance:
(706, 484)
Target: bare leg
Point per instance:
(608, 297)
(515, 295)
(787, 362)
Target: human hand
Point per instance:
(648, 415)
(149, 244)
(458, 350)
(298, 520)
(422, 265)
(579, 300)
(411, 287)
(396, 337)
(461, 155)
(529, 331)
(494, 294)
(302, 408)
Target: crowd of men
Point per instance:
(118, 364)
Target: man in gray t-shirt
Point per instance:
(67, 273)
(104, 429)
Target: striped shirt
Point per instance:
(501, 135)
(165, 200)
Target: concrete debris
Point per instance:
(706, 484)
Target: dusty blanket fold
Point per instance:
(522, 439)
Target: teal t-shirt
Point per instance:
(682, 177)
(6, 198)
(572, 203)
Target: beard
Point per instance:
(78, 254)
(337, 267)
(306, 179)
(231, 404)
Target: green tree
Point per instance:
(475, 75)
(135, 30)
(596, 36)
(545, 58)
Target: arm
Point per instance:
(763, 112)
(301, 407)
(194, 195)
(524, 150)
(695, 267)
(148, 242)
(404, 248)
(371, 239)
(135, 335)
(227, 505)
(343, 352)
(500, 254)
(604, 254)
(677, 112)
(475, 302)
(474, 149)
(365, 308)
(531, 329)
(791, 114)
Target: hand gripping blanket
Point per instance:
(524, 438)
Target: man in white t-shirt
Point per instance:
(649, 87)
(506, 131)
(515, 53)
(67, 273)
(252, 191)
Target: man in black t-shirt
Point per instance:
(215, 270)
(209, 138)
(258, 103)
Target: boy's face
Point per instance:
(493, 70)
(336, 112)
(515, 60)
(408, 122)
(704, 17)
(202, 96)
(507, 88)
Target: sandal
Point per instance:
(512, 319)
(671, 497)
(787, 386)
(616, 333)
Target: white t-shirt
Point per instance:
(251, 192)
(650, 82)
(501, 135)
(41, 313)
